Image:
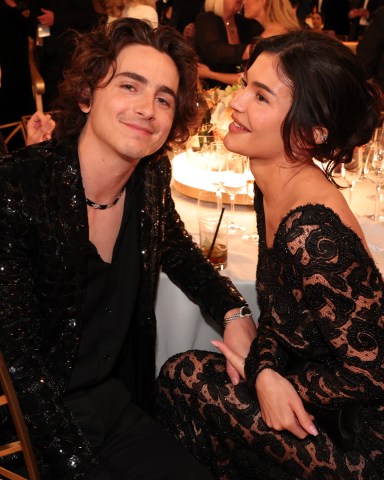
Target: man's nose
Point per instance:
(145, 106)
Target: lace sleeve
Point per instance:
(323, 301)
(343, 290)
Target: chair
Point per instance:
(13, 135)
(23, 443)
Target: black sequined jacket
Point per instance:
(43, 255)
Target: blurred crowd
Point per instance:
(220, 31)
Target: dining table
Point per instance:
(181, 326)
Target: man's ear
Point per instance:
(85, 108)
(320, 134)
(85, 105)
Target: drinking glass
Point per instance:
(374, 168)
(217, 163)
(252, 237)
(233, 182)
(351, 172)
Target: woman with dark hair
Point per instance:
(308, 398)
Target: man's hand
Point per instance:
(47, 18)
(280, 405)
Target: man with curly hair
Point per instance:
(86, 224)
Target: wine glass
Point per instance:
(216, 165)
(233, 182)
(374, 169)
(254, 236)
(351, 172)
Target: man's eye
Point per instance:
(164, 102)
(128, 86)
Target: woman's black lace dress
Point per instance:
(321, 297)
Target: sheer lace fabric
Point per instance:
(321, 298)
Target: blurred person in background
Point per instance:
(275, 16)
(335, 15)
(317, 22)
(360, 14)
(222, 40)
(113, 9)
(184, 12)
(370, 49)
(16, 97)
(142, 9)
(52, 23)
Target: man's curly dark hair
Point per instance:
(93, 66)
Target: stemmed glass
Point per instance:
(351, 172)
(254, 236)
(233, 181)
(216, 165)
(374, 168)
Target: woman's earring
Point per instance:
(324, 137)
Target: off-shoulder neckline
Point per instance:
(302, 208)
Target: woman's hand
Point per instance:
(280, 405)
(39, 128)
(235, 346)
(204, 71)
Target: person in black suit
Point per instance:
(58, 18)
(360, 14)
(16, 90)
(184, 12)
(335, 14)
(370, 49)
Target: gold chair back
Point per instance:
(23, 444)
(14, 135)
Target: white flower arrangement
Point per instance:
(220, 112)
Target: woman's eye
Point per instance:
(128, 86)
(261, 97)
(243, 81)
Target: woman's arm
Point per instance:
(344, 293)
(212, 44)
(229, 78)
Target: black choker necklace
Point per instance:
(100, 206)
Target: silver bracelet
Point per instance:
(244, 311)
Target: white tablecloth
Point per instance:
(180, 323)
